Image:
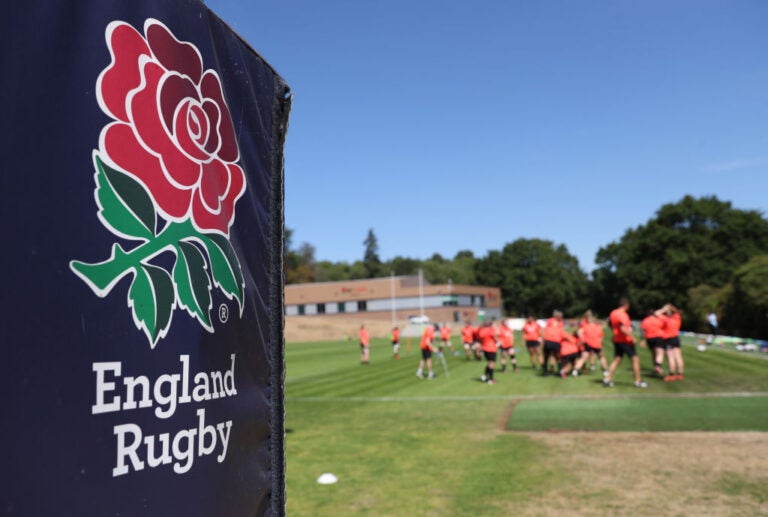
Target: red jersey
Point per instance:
(427, 337)
(468, 333)
(395, 335)
(507, 337)
(487, 337)
(445, 333)
(569, 345)
(554, 330)
(592, 334)
(619, 318)
(531, 331)
(671, 326)
(653, 326)
(364, 340)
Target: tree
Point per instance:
(746, 304)
(688, 243)
(371, 259)
(535, 276)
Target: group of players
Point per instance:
(565, 349)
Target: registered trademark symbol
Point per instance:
(223, 313)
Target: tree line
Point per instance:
(701, 254)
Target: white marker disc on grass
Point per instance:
(327, 479)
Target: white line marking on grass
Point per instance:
(471, 398)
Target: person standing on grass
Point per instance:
(445, 338)
(468, 337)
(532, 337)
(507, 340)
(396, 342)
(653, 334)
(487, 336)
(672, 323)
(364, 345)
(553, 335)
(712, 322)
(591, 334)
(427, 338)
(623, 344)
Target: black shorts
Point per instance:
(489, 356)
(622, 349)
(363, 346)
(673, 342)
(552, 346)
(510, 350)
(592, 349)
(570, 358)
(426, 353)
(395, 343)
(655, 342)
(532, 344)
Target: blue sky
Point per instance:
(466, 125)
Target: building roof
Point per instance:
(379, 288)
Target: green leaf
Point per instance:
(225, 267)
(192, 284)
(124, 204)
(152, 299)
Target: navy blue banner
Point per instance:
(142, 301)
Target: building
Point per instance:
(393, 299)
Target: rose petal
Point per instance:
(123, 74)
(206, 220)
(120, 144)
(152, 131)
(210, 88)
(214, 184)
(190, 122)
(173, 54)
(173, 90)
(211, 143)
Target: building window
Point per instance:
(362, 305)
(321, 308)
(342, 307)
(301, 310)
(482, 301)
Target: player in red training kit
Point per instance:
(507, 341)
(653, 334)
(364, 345)
(445, 338)
(396, 342)
(468, 337)
(427, 338)
(532, 338)
(672, 323)
(553, 335)
(487, 336)
(623, 344)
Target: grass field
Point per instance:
(455, 446)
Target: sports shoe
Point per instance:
(659, 370)
(431, 375)
(670, 378)
(605, 373)
(491, 381)
(483, 378)
(419, 375)
(641, 384)
(607, 383)
(679, 377)
(575, 373)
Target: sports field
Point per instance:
(528, 445)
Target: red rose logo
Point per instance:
(172, 130)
